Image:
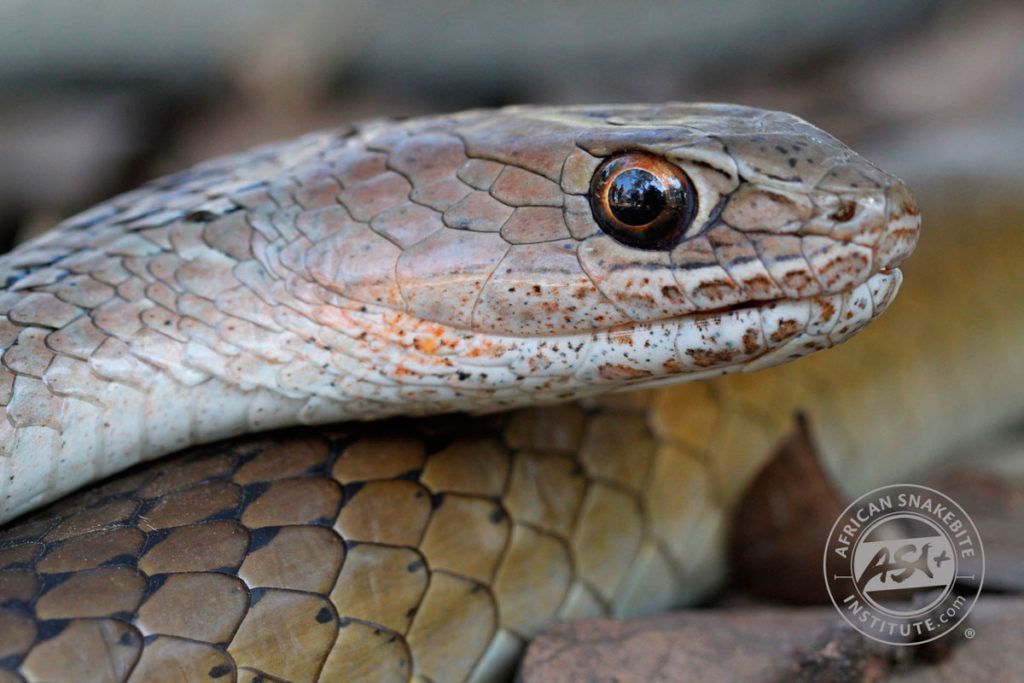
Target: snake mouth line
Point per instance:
(882, 286)
(755, 335)
(763, 304)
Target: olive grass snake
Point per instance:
(478, 262)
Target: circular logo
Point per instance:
(904, 564)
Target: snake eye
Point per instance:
(642, 200)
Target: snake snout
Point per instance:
(903, 226)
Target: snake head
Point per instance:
(474, 261)
(563, 250)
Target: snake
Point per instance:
(511, 272)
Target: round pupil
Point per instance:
(636, 197)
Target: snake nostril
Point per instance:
(844, 213)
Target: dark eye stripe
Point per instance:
(642, 201)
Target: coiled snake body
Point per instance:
(476, 262)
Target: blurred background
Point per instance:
(97, 96)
